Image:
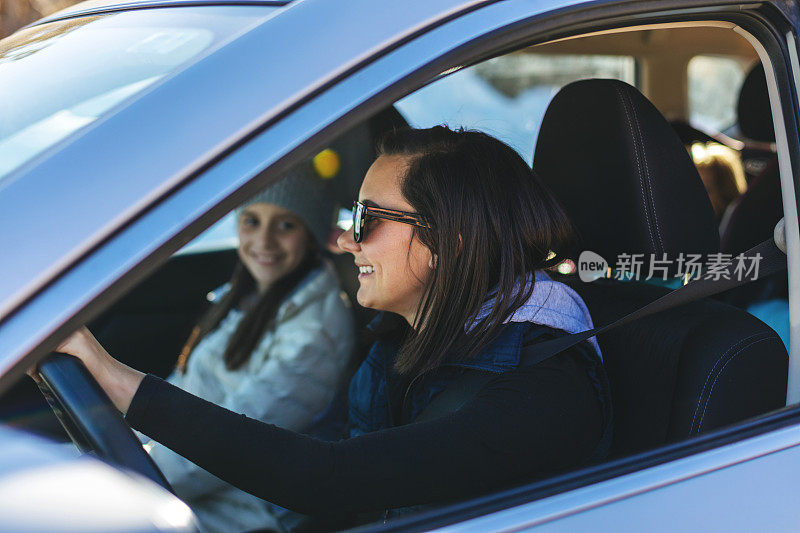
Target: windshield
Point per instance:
(59, 77)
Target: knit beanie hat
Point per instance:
(304, 193)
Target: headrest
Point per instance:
(356, 151)
(755, 115)
(622, 175)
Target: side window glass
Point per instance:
(714, 83)
(507, 96)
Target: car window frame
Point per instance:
(193, 200)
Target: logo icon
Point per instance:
(591, 266)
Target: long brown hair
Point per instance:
(493, 222)
(257, 320)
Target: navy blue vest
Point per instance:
(370, 400)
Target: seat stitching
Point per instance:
(721, 370)
(638, 164)
(637, 123)
(710, 372)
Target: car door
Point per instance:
(217, 171)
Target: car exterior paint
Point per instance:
(46, 487)
(158, 203)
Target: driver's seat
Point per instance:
(629, 186)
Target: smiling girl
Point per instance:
(451, 233)
(275, 346)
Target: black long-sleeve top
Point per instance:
(521, 425)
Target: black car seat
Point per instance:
(629, 186)
(758, 210)
(754, 123)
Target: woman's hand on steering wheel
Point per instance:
(118, 380)
(86, 389)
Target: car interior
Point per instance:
(617, 124)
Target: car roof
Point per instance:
(107, 6)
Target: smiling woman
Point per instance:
(273, 241)
(394, 267)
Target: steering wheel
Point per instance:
(90, 418)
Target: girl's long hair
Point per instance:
(257, 320)
(493, 222)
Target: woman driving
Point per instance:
(451, 232)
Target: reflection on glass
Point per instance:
(60, 77)
(507, 96)
(714, 84)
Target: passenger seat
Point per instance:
(629, 186)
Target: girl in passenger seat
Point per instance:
(275, 345)
(451, 234)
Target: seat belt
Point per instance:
(773, 260)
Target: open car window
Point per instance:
(506, 96)
(714, 84)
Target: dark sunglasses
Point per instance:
(361, 212)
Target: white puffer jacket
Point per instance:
(289, 381)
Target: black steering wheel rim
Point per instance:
(90, 418)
